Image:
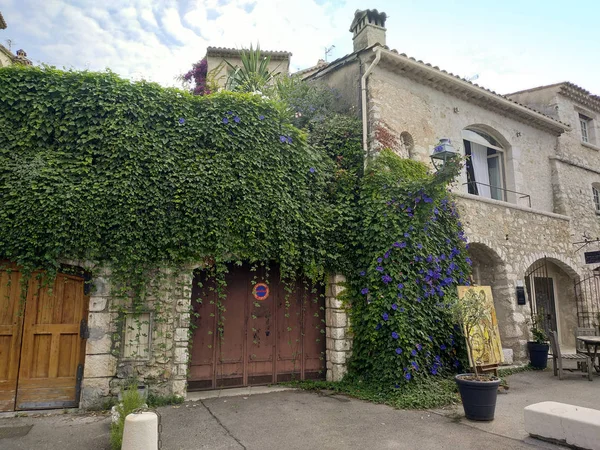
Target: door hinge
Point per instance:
(84, 331)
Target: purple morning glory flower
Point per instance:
(225, 120)
(289, 140)
(379, 269)
(402, 244)
(396, 244)
(312, 170)
(419, 347)
(398, 351)
(468, 260)
(282, 139)
(378, 327)
(401, 309)
(261, 117)
(394, 306)
(415, 365)
(400, 286)
(385, 316)
(413, 352)
(236, 119)
(386, 279)
(407, 376)
(434, 371)
(395, 335)
(442, 347)
(386, 255)
(427, 199)
(364, 291)
(406, 235)
(362, 274)
(379, 260)
(182, 121)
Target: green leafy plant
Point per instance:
(130, 401)
(253, 75)
(470, 311)
(155, 401)
(537, 328)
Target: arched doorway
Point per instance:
(489, 270)
(550, 289)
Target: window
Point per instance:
(586, 124)
(136, 336)
(485, 165)
(596, 193)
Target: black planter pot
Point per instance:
(538, 355)
(478, 397)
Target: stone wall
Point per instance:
(338, 336)
(164, 369)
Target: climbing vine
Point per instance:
(136, 177)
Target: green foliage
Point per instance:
(155, 401)
(422, 394)
(409, 260)
(253, 75)
(131, 400)
(537, 328)
(137, 177)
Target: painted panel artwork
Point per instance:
(485, 338)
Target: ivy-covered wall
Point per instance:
(132, 178)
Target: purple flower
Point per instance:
(386, 255)
(434, 371)
(396, 244)
(364, 291)
(406, 235)
(398, 351)
(385, 316)
(181, 121)
(442, 347)
(394, 306)
(395, 335)
(312, 170)
(386, 279)
(419, 246)
(400, 286)
(379, 269)
(413, 352)
(225, 120)
(415, 365)
(236, 119)
(379, 260)
(378, 327)
(261, 117)
(427, 199)
(282, 139)
(468, 260)
(362, 274)
(402, 244)
(289, 140)
(401, 310)
(419, 347)
(407, 376)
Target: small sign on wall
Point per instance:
(592, 257)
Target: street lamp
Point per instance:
(442, 153)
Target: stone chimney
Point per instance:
(368, 28)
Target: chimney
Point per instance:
(368, 28)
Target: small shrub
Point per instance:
(132, 400)
(154, 401)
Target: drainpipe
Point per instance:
(363, 86)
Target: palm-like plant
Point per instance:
(253, 75)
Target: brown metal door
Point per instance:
(263, 341)
(52, 352)
(11, 325)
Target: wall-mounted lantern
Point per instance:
(442, 153)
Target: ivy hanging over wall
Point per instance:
(137, 177)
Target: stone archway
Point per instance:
(490, 270)
(550, 284)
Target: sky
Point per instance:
(509, 45)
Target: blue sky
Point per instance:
(510, 44)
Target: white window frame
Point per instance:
(473, 136)
(585, 123)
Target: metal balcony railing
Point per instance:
(519, 195)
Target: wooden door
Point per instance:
(11, 324)
(53, 350)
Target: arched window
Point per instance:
(485, 165)
(596, 194)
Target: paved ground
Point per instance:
(303, 420)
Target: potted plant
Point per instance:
(538, 347)
(478, 392)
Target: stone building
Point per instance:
(6, 56)
(530, 188)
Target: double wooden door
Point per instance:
(260, 332)
(42, 341)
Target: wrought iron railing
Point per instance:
(520, 195)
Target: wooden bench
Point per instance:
(566, 424)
